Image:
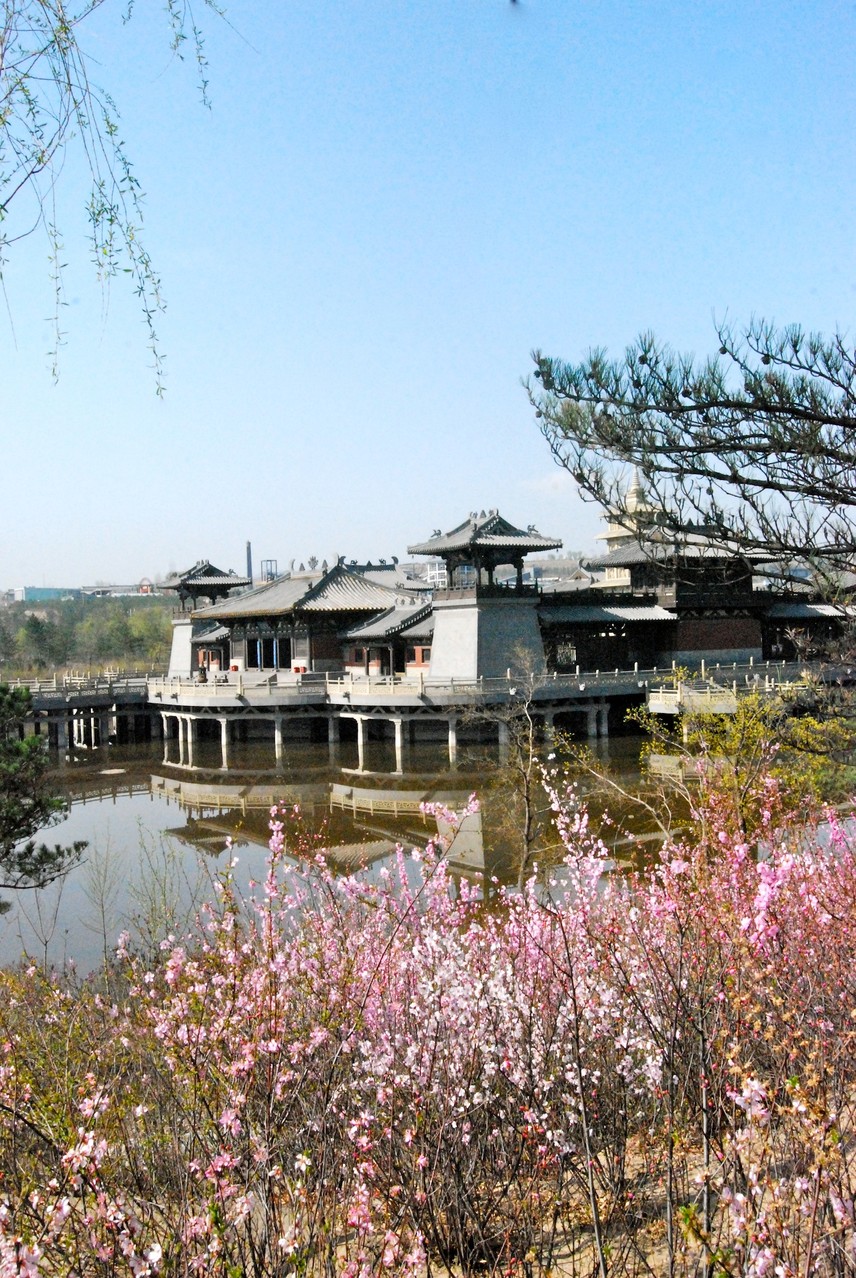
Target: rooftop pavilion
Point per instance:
(203, 581)
(482, 629)
(484, 542)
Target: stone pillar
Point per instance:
(502, 736)
(591, 719)
(361, 742)
(191, 728)
(104, 729)
(333, 737)
(277, 739)
(603, 719)
(179, 718)
(453, 740)
(549, 727)
(62, 732)
(224, 744)
(399, 745)
(165, 718)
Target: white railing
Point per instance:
(337, 687)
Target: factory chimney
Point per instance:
(250, 561)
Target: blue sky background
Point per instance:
(387, 207)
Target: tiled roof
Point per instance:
(488, 530)
(595, 613)
(389, 574)
(343, 590)
(338, 590)
(693, 546)
(402, 618)
(274, 597)
(798, 610)
(203, 573)
(423, 629)
(209, 632)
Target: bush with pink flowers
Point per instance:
(615, 1076)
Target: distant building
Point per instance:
(45, 594)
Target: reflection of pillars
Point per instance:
(453, 740)
(333, 737)
(502, 735)
(399, 745)
(277, 739)
(603, 719)
(361, 742)
(591, 720)
(224, 743)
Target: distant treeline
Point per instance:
(85, 632)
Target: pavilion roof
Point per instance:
(338, 590)
(487, 531)
(342, 590)
(203, 574)
(690, 546)
(274, 597)
(404, 615)
(387, 574)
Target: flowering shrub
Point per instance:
(343, 1078)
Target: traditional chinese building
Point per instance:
(203, 581)
(661, 598)
(483, 629)
(294, 623)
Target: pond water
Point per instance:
(158, 836)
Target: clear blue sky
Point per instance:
(387, 207)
